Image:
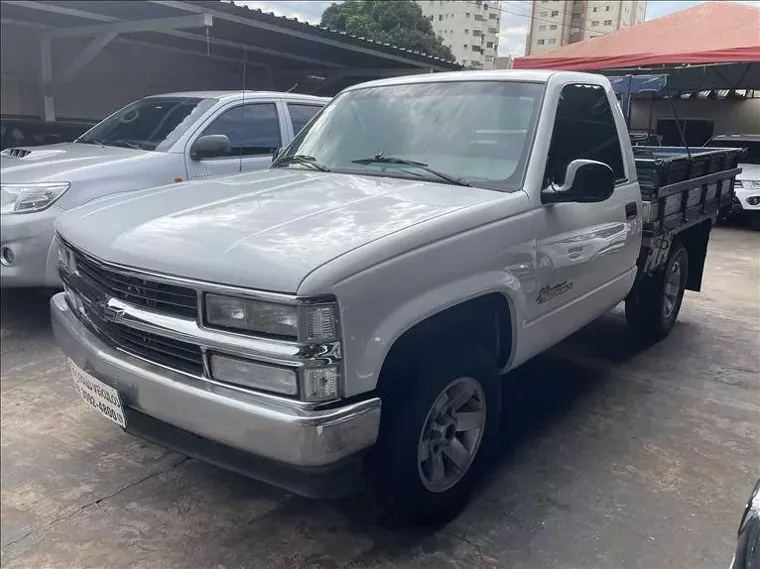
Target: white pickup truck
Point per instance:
(349, 313)
(161, 139)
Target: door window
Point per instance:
(300, 115)
(252, 129)
(584, 128)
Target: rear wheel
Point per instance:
(652, 309)
(435, 436)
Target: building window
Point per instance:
(466, 14)
(552, 41)
(555, 13)
(440, 17)
(476, 48)
(542, 28)
(489, 44)
(544, 14)
(606, 8)
(464, 62)
(595, 9)
(539, 42)
(594, 23)
(553, 27)
(465, 46)
(489, 58)
(492, 16)
(467, 31)
(607, 22)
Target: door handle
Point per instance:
(631, 210)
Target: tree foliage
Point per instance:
(398, 22)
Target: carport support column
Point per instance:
(46, 86)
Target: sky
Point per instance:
(514, 21)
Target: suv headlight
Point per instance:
(308, 323)
(28, 198)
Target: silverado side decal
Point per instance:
(548, 292)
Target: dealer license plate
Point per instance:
(98, 395)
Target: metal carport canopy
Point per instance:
(213, 29)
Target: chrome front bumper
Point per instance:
(269, 427)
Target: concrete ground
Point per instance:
(612, 458)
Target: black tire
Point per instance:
(645, 307)
(394, 469)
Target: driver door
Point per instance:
(585, 252)
(254, 131)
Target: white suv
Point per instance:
(746, 202)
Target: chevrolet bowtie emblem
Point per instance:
(112, 314)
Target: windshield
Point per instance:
(154, 123)
(476, 132)
(752, 146)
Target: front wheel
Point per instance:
(435, 437)
(652, 308)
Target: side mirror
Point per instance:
(210, 146)
(586, 181)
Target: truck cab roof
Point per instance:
(522, 75)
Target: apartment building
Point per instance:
(555, 23)
(469, 27)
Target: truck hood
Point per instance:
(264, 230)
(64, 162)
(749, 172)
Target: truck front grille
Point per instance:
(162, 297)
(171, 353)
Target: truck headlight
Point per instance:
(253, 374)
(28, 198)
(308, 323)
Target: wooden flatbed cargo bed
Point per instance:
(681, 188)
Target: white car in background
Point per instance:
(746, 202)
(158, 140)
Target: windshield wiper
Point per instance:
(380, 159)
(98, 142)
(126, 143)
(303, 159)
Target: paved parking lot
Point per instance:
(612, 458)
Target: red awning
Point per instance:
(713, 32)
